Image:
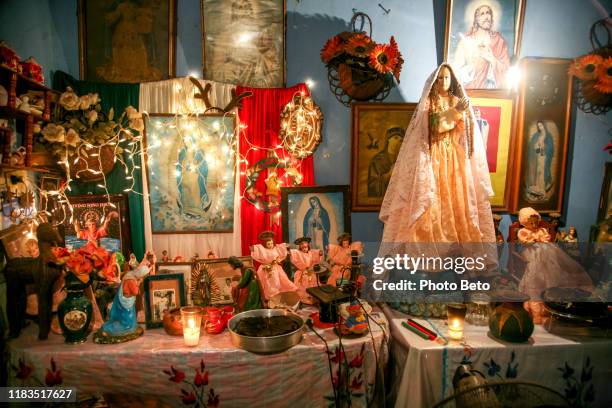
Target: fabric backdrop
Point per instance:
(261, 115)
(117, 96)
(176, 96)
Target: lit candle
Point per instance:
(455, 330)
(456, 317)
(192, 318)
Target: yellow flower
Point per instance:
(54, 133)
(84, 102)
(72, 138)
(69, 100)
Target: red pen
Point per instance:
(429, 333)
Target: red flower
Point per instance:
(356, 383)
(188, 398)
(24, 370)
(80, 266)
(175, 375)
(360, 45)
(400, 61)
(357, 361)
(338, 356)
(200, 379)
(604, 76)
(213, 399)
(332, 48)
(384, 58)
(585, 68)
(60, 254)
(54, 376)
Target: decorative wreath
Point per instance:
(268, 201)
(300, 126)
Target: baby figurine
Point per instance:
(270, 273)
(340, 258)
(547, 265)
(304, 259)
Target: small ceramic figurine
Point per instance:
(270, 273)
(23, 104)
(547, 265)
(165, 256)
(133, 262)
(304, 259)
(572, 235)
(499, 237)
(561, 234)
(195, 257)
(354, 320)
(245, 292)
(122, 325)
(339, 257)
(211, 255)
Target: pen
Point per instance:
(429, 333)
(415, 331)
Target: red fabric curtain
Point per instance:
(261, 115)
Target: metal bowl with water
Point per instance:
(266, 345)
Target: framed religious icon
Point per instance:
(127, 40)
(99, 219)
(605, 200)
(495, 118)
(243, 42)
(165, 268)
(19, 241)
(322, 213)
(543, 131)
(190, 164)
(212, 279)
(162, 292)
(378, 131)
(481, 40)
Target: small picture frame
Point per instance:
(162, 292)
(605, 200)
(19, 242)
(211, 280)
(166, 268)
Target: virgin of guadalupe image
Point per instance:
(540, 155)
(381, 165)
(191, 178)
(440, 187)
(316, 224)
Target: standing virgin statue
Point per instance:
(440, 187)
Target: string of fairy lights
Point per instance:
(128, 144)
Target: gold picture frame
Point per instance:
(132, 52)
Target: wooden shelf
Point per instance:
(7, 167)
(7, 112)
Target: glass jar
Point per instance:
(478, 309)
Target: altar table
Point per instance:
(298, 377)
(423, 370)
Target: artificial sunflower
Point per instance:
(398, 68)
(360, 45)
(604, 76)
(585, 68)
(332, 48)
(384, 58)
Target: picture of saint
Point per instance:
(95, 223)
(482, 124)
(540, 154)
(316, 224)
(191, 178)
(163, 299)
(482, 41)
(91, 233)
(381, 165)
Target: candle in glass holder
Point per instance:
(192, 319)
(456, 318)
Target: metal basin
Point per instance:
(266, 345)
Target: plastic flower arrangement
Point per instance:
(81, 132)
(363, 68)
(88, 263)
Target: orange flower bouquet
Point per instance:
(88, 263)
(359, 68)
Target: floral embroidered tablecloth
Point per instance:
(214, 373)
(580, 370)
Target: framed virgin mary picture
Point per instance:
(322, 213)
(378, 131)
(543, 132)
(190, 163)
(482, 37)
(495, 118)
(127, 40)
(243, 42)
(605, 200)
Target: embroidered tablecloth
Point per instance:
(580, 370)
(156, 364)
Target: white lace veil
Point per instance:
(412, 183)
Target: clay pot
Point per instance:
(217, 318)
(173, 324)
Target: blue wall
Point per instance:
(47, 29)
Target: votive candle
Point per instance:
(192, 319)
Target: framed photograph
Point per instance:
(19, 242)
(495, 117)
(378, 131)
(605, 201)
(481, 40)
(211, 280)
(127, 40)
(165, 268)
(243, 42)
(162, 292)
(190, 170)
(98, 219)
(321, 213)
(543, 125)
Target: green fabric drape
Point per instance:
(117, 96)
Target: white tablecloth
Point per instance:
(423, 370)
(298, 377)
